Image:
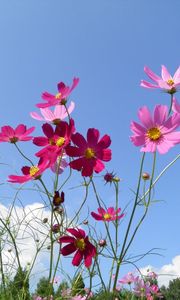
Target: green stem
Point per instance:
(23, 154)
(130, 221)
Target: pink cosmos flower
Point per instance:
(30, 173)
(55, 117)
(175, 106)
(80, 243)
(91, 153)
(165, 82)
(157, 132)
(142, 288)
(128, 279)
(20, 133)
(60, 164)
(63, 92)
(107, 215)
(54, 141)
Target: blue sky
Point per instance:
(106, 44)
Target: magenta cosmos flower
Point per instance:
(107, 215)
(55, 140)
(30, 173)
(165, 82)
(175, 106)
(63, 92)
(20, 133)
(78, 242)
(91, 153)
(55, 117)
(157, 132)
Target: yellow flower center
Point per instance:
(170, 82)
(13, 140)
(107, 216)
(89, 153)
(33, 170)
(58, 96)
(60, 141)
(154, 133)
(80, 244)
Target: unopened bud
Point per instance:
(102, 243)
(85, 222)
(45, 220)
(55, 228)
(145, 176)
(58, 199)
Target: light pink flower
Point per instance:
(20, 133)
(128, 279)
(60, 164)
(142, 289)
(157, 132)
(59, 113)
(175, 106)
(165, 82)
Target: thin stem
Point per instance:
(130, 221)
(19, 150)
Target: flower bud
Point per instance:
(85, 222)
(55, 228)
(102, 243)
(145, 176)
(58, 199)
(45, 220)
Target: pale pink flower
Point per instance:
(60, 113)
(157, 132)
(142, 289)
(175, 106)
(60, 164)
(166, 81)
(128, 279)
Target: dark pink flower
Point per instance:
(78, 242)
(107, 215)
(30, 173)
(63, 92)
(165, 82)
(54, 141)
(91, 153)
(157, 132)
(20, 133)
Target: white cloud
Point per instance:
(167, 272)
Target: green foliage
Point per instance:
(172, 292)
(78, 285)
(19, 287)
(44, 288)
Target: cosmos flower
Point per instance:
(157, 132)
(165, 82)
(30, 173)
(107, 215)
(61, 97)
(91, 153)
(128, 279)
(54, 141)
(79, 243)
(20, 133)
(56, 116)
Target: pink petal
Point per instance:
(176, 77)
(145, 117)
(104, 142)
(7, 131)
(48, 130)
(77, 258)
(78, 233)
(87, 259)
(20, 130)
(68, 249)
(165, 73)
(137, 128)
(25, 170)
(148, 85)
(92, 136)
(138, 140)
(160, 114)
(66, 239)
(101, 211)
(88, 166)
(47, 114)
(36, 116)
(99, 166)
(40, 141)
(151, 74)
(96, 216)
(79, 140)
